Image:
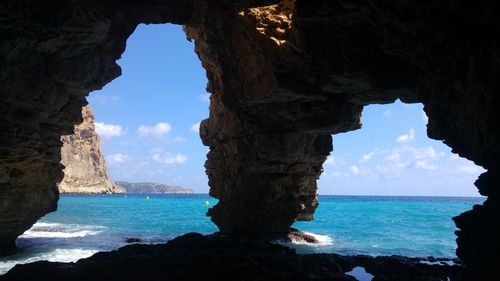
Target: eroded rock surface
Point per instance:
(52, 54)
(84, 166)
(283, 79)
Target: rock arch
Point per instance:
(283, 78)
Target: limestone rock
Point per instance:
(85, 169)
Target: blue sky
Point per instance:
(148, 118)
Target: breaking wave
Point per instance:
(57, 255)
(323, 240)
(56, 230)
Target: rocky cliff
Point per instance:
(85, 169)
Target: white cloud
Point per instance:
(330, 160)
(393, 156)
(157, 132)
(195, 128)
(411, 165)
(168, 158)
(424, 117)
(407, 137)
(426, 152)
(109, 130)
(205, 97)
(354, 169)
(407, 157)
(117, 158)
(365, 158)
(421, 164)
(360, 171)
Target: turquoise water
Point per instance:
(83, 225)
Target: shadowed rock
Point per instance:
(220, 257)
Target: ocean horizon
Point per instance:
(319, 195)
(415, 226)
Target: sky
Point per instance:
(148, 120)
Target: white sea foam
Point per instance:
(323, 240)
(56, 230)
(57, 255)
(69, 255)
(45, 224)
(445, 262)
(57, 234)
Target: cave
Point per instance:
(283, 78)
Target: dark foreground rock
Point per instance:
(133, 240)
(217, 257)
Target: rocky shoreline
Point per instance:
(218, 257)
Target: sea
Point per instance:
(348, 225)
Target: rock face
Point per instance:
(85, 169)
(148, 187)
(283, 79)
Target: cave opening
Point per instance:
(389, 189)
(324, 65)
(149, 116)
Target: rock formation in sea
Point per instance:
(149, 187)
(283, 78)
(84, 165)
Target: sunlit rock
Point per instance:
(84, 166)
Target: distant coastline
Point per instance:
(152, 188)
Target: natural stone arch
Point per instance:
(283, 79)
(301, 71)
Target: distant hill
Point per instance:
(148, 187)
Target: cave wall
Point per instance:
(52, 54)
(286, 77)
(283, 79)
